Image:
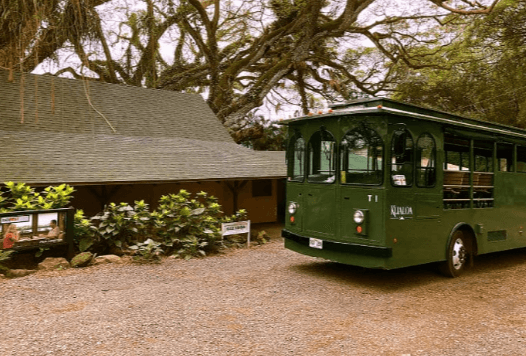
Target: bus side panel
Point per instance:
(503, 226)
(414, 228)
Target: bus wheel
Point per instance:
(457, 256)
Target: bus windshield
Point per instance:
(362, 157)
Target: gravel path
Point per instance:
(266, 301)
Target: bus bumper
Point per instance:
(347, 253)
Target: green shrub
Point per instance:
(4, 256)
(121, 225)
(85, 233)
(147, 251)
(183, 225)
(191, 226)
(21, 197)
(56, 197)
(188, 226)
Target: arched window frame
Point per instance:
(296, 159)
(321, 157)
(402, 159)
(426, 176)
(358, 139)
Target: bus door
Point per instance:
(401, 195)
(428, 195)
(319, 194)
(413, 192)
(362, 197)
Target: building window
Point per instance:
(262, 188)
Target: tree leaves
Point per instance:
(486, 79)
(239, 54)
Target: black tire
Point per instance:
(458, 255)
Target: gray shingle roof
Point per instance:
(161, 136)
(62, 105)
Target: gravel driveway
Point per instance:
(266, 301)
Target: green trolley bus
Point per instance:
(383, 184)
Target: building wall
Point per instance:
(260, 209)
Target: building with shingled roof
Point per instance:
(116, 143)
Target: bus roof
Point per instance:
(384, 105)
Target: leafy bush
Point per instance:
(21, 197)
(183, 225)
(56, 197)
(121, 225)
(188, 227)
(147, 251)
(85, 233)
(4, 256)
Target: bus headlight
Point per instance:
(358, 217)
(292, 207)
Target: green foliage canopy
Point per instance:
(239, 54)
(486, 78)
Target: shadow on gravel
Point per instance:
(392, 280)
(411, 277)
(499, 261)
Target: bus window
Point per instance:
(296, 159)
(483, 174)
(521, 159)
(402, 158)
(505, 157)
(322, 158)
(483, 159)
(362, 153)
(457, 154)
(425, 161)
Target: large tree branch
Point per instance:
(477, 8)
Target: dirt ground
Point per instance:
(267, 301)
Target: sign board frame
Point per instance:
(235, 228)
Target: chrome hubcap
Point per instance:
(459, 254)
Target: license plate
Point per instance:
(316, 243)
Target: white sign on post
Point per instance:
(239, 227)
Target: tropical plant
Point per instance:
(121, 224)
(191, 227)
(4, 256)
(55, 197)
(147, 251)
(85, 233)
(21, 197)
(188, 226)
